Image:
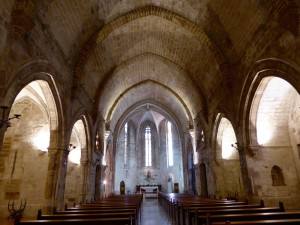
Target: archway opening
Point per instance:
(274, 133)
(24, 159)
(227, 169)
(74, 177)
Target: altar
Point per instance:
(149, 191)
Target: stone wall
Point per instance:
(21, 159)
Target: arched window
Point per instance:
(125, 143)
(148, 150)
(169, 144)
(277, 176)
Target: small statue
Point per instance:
(16, 214)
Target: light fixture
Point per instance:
(71, 147)
(236, 146)
(6, 122)
(74, 154)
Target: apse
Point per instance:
(148, 152)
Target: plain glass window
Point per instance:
(148, 150)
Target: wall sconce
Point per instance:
(235, 146)
(71, 147)
(5, 122)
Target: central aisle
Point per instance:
(153, 214)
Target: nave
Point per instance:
(196, 101)
(168, 209)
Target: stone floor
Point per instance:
(153, 214)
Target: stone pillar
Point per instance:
(84, 180)
(244, 171)
(51, 178)
(185, 163)
(61, 177)
(210, 170)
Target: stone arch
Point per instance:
(84, 137)
(273, 128)
(87, 122)
(76, 172)
(37, 130)
(221, 122)
(175, 72)
(270, 111)
(40, 70)
(226, 137)
(261, 69)
(108, 116)
(226, 167)
(162, 109)
(137, 113)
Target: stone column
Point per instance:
(185, 152)
(84, 180)
(61, 177)
(244, 171)
(51, 178)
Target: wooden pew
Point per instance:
(208, 220)
(191, 212)
(117, 210)
(175, 204)
(101, 221)
(262, 222)
(90, 216)
(84, 214)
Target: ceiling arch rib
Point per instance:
(144, 110)
(166, 33)
(148, 92)
(146, 68)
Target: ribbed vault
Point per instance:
(150, 67)
(151, 93)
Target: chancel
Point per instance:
(147, 144)
(149, 112)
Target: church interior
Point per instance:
(160, 104)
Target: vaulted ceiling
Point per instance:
(178, 53)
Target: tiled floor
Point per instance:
(153, 214)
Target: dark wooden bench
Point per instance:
(201, 212)
(102, 221)
(190, 212)
(262, 222)
(183, 210)
(247, 217)
(103, 210)
(98, 214)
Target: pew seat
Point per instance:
(247, 217)
(101, 221)
(262, 222)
